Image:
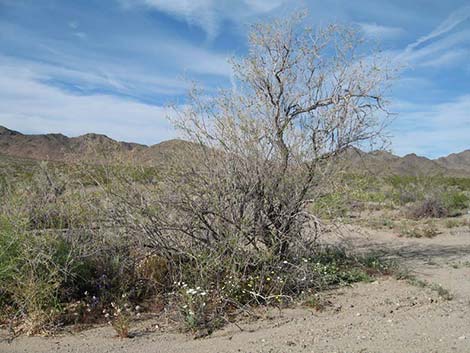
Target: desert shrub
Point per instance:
(41, 273)
(453, 192)
(417, 230)
(407, 189)
(430, 230)
(332, 206)
(453, 223)
(456, 200)
(213, 289)
(32, 270)
(229, 211)
(56, 245)
(406, 196)
(429, 208)
(224, 225)
(9, 258)
(456, 222)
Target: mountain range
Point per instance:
(92, 147)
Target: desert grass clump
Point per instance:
(457, 222)
(33, 269)
(58, 250)
(427, 229)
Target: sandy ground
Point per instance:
(384, 316)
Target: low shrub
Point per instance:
(429, 208)
(416, 230)
(214, 288)
(54, 248)
(33, 269)
(456, 201)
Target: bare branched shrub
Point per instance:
(261, 150)
(431, 207)
(224, 223)
(229, 212)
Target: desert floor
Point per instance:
(387, 315)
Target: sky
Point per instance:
(114, 66)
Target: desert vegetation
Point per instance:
(231, 221)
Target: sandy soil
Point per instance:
(384, 316)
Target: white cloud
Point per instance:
(198, 60)
(433, 130)
(95, 75)
(143, 64)
(442, 47)
(209, 14)
(448, 59)
(31, 106)
(452, 21)
(81, 35)
(374, 30)
(438, 48)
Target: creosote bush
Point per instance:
(229, 212)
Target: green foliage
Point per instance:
(67, 252)
(456, 200)
(213, 287)
(32, 268)
(52, 252)
(433, 197)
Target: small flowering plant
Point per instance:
(120, 315)
(194, 303)
(84, 310)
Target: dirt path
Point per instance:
(384, 316)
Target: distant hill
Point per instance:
(386, 163)
(95, 147)
(456, 161)
(88, 147)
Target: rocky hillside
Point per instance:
(89, 147)
(456, 161)
(94, 147)
(385, 163)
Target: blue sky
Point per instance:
(113, 66)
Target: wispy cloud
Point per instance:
(376, 31)
(453, 20)
(439, 51)
(28, 105)
(143, 67)
(209, 14)
(433, 130)
(448, 59)
(443, 46)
